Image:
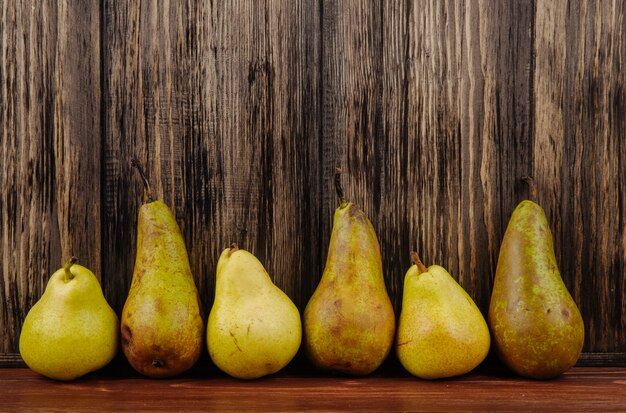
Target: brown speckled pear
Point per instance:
(162, 327)
(537, 329)
(349, 321)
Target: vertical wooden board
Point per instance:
(446, 114)
(363, 70)
(468, 130)
(220, 102)
(434, 96)
(394, 213)
(294, 168)
(579, 162)
(27, 219)
(364, 126)
(265, 164)
(332, 139)
(506, 52)
(549, 139)
(77, 135)
(147, 65)
(617, 122)
(122, 140)
(50, 204)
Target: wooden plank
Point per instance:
(580, 142)
(25, 147)
(136, 126)
(77, 135)
(391, 366)
(363, 123)
(49, 143)
(598, 359)
(11, 360)
(580, 389)
(221, 106)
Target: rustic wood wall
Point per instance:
(241, 111)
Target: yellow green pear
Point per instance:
(441, 331)
(349, 323)
(254, 329)
(71, 330)
(162, 326)
(537, 329)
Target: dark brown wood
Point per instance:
(581, 389)
(49, 148)
(428, 112)
(11, 360)
(241, 111)
(364, 120)
(585, 360)
(602, 359)
(579, 156)
(221, 107)
(469, 135)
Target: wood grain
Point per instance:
(581, 389)
(579, 162)
(469, 132)
(222, 110)
(429, 114)
(240, 112)
(49, 145)
(77, 137)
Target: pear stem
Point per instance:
(416, 260)
(338, 188)
(147, 192)
(233, 248)
(68, 274)
(531, 185)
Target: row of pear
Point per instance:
(348, 325)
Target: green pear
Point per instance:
(441, 331)
(537, 329)
(254, 329)
(162, 326)
(71, 330)
(349, 322)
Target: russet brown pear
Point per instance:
(349, 321)
(162, 327)
(537, 328)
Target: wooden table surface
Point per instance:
(581, 389)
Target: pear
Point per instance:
(254, 329)
(71, 330)
(537, 329)
(162, 326)
(349, 323)
(441, 331)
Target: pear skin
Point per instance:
(441, 332)
(349, 321)
(537, 329)
(71, 330)
(162, 326)
(254, 329)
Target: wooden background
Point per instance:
(241, 111)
